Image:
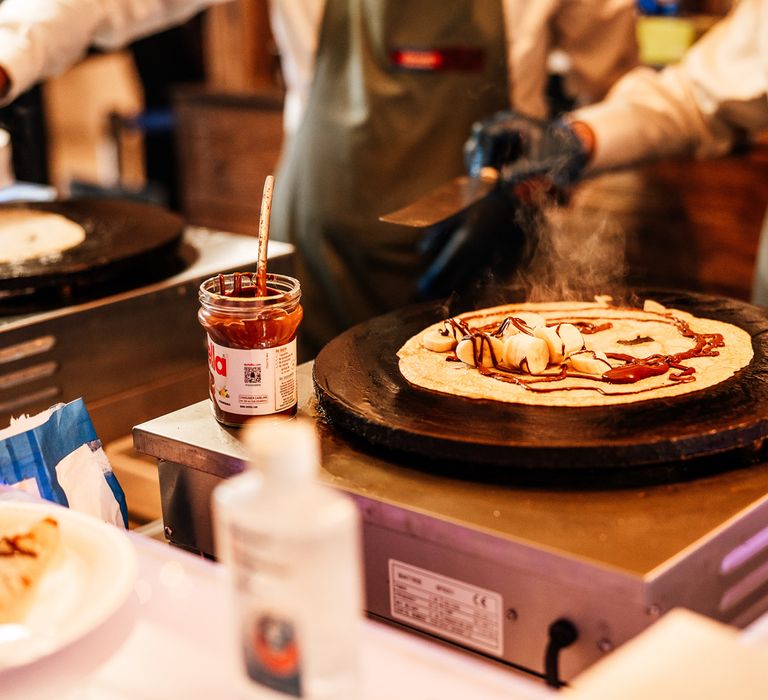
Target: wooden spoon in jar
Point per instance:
(266, 210)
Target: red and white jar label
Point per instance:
(253, 382)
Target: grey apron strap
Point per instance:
(397, 86)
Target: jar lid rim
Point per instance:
(293, 289)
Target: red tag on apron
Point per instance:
(458, 58)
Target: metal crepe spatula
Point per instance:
(446, 201)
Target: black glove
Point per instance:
(495, 237)
(485, 246)
(521, 148)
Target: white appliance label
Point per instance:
(444, 606)
(253, 382)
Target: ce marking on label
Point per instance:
(480, 600)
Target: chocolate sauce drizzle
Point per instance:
(240, 290)
(482, 344)
(455, 327)
(632, 370)
(12, 545)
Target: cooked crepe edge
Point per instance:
(430, 370)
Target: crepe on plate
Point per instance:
(574, 354)
(24, 558)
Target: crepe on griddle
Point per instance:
(653, 335)
(27, 234)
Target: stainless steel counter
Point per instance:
(610, 561)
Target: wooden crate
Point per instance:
(227, 145)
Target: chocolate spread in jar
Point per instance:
(251, 345)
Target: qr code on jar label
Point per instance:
(252, 375)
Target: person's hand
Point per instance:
(535, 161)
(529, 153)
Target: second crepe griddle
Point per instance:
(126, 243)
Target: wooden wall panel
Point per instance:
(240, 51)
(228, 144)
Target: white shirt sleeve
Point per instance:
(696, 108)
(600, 41)
(6, 161)
(40, 38)
(597, 36)
(296, 28)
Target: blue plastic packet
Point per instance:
(57, 456)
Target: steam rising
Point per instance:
(549, 252)
(578, 254)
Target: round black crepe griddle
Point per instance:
(126, 243)
(360, 389)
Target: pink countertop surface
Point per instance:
(173, 638)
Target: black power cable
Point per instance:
(562, 633)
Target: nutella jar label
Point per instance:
(253, 382)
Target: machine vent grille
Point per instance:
(739, 556)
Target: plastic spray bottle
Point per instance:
(292, 547)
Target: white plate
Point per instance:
(90, 578)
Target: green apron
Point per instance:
(397, 86)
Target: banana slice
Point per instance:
(487, 349)
(562, 340)
(435, 341)
(590, 362)
(526, 352)
(531, 319)
(653, 306)
(445, 337)
(572, 337)
(555, 344)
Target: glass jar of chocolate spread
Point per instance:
(251, 345)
